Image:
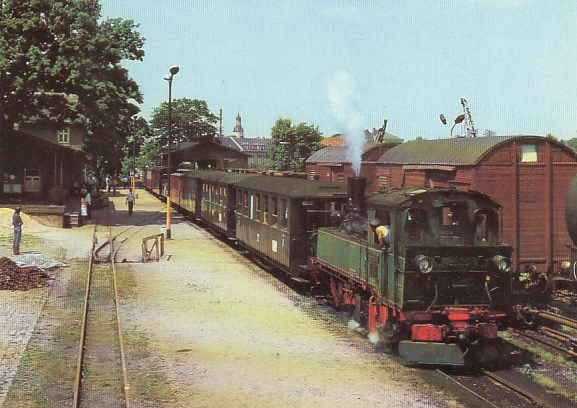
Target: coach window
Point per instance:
(274, 211)
(257, 205)
(283, 212)
(238, 201)
(265, 209)
(251, 206)
(245, 203)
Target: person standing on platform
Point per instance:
(88, 199)
(17, 223)
(130, 198)
(83, 209)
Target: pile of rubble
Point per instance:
(14, 277)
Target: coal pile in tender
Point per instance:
(13, 277)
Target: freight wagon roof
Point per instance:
(338, 154)
(456, 151)
(219, 176)
(402, 196)
(295, 187)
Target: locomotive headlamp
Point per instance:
(501, 263)
(565, 265)
(424, 263)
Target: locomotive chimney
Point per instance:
(357, 192)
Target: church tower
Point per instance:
(238, 131)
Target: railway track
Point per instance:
(101, 378)
(553, 339)
(489, 389)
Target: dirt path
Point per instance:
(205, 328)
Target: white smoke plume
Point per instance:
(341, 95)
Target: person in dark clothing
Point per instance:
(17, 223)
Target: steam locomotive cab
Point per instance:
(437, 287)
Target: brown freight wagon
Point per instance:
(528, 175)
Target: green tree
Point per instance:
(60, 62)
(191, 121)
(142, 149)
(572, 143)
(291, 145)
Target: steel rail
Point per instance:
(551, 334)
(527, 395)
(126, 384)
(82, 342)
(469, 390)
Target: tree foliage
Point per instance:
(191, 121)
(142, 149)
(572, 143)
(59, 62)
(291, 145)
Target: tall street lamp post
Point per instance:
(173, 72)
(133, 178)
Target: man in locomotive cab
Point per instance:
(480, 227)
(382, 232)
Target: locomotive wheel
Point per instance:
(391, 333)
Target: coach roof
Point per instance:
(219, 176)
(294, 187)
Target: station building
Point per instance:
(37, 169)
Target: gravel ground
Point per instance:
(212, 330)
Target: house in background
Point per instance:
(256, 148)
(334, 162)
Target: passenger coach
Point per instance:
(211, 196)
(277, 217)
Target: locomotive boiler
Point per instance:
(438, 289)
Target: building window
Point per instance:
(64, 136)
(528, 153)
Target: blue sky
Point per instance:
(346, 65)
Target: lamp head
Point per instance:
(460, 118)
(174, 70)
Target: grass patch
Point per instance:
(126, 281)
(147, 382)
